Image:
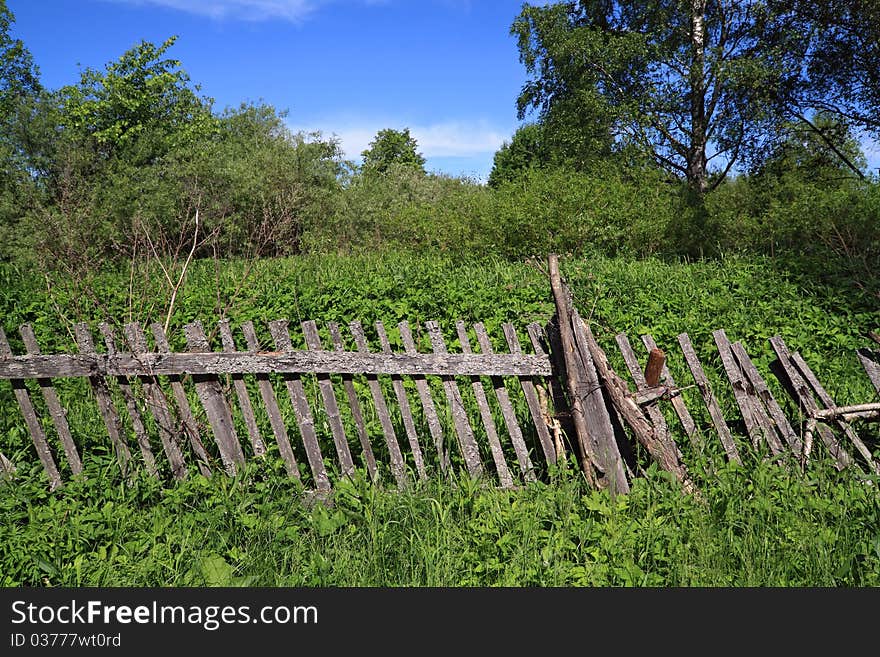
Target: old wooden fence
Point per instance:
(526, 407)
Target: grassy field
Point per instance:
(760, 524)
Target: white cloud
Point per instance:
(443, 139)
(250, 10)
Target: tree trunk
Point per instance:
(697, 162)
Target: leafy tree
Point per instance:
(393, 148)
(684, 82)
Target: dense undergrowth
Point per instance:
(760, 524)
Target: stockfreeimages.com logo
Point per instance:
(210, 617)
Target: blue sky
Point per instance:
(446, 69)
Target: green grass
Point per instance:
(761, 524)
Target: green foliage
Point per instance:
(393, 148)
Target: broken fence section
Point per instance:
(143, 394)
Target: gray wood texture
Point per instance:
(552, 417)
(870, 360)
(281, 336)
(38, 436)
(355, 406)
(328, 396)
(798, 389)
(241, 392)
(214, 402)
(678, 403)
(101, 390)
(131, 404)
(157, 404)
(184, 411)
(531, 395)
(466, 440)
(293, 362)
(661, 430)
(398, 465)
(270, 402)
(428, 407)
(702, 382)
(495, 447)
(526, 466)
(56, 411)
(757, 422)
(829, 403)
(763, 391)
(405, 409)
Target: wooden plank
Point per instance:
(158, 404)
(681, 409)
(690, 356)
(7, 467)
(467, 443)
(184, 412)
(296, 362)
(56, 411)
(507, 411)
(871, 363)
(661, 430)
(38, 436)
(131, 405)
(244, 399)
(271, 404)
(398, 466)
(301, 409)
(551, 418)
(111, 418)
(654, 368)
(405, 410)
(313, 342)
(214, 402)
(757, 423)
(354, 404)
(797, 388)
(497, 451)
(427, 400)
(531, 395)
(562, 409)
(829, 403)
(773, 408)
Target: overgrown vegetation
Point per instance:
(129, 197)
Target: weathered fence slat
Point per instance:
(829, 403)
(405, 410)
(56, 411)
(111, 418)
(428, 407)
(216, 408)
(190, 426)
(354, 404)
(398, 465)
(313, 342)
(661, 430)
(244, 399)
(870, 362)
(760, 386)
(507, 412)
(561, 407)
(797, 388)
(681, 409)
(551, 418)
(531, 395)
(38, 436)
(690, 357)
(158, 405)
(271, 404)
(495, 448)
(752, 411)
(301, 409)
(131, 405)
(466, 441)
(7, 467)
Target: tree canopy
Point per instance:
(392, 148)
